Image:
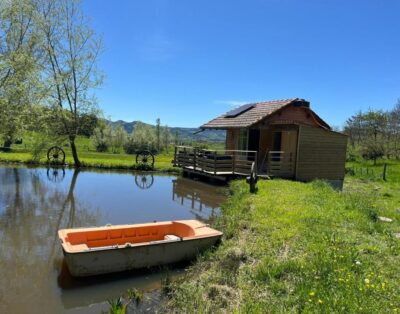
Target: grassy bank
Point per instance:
(89, 159)
(296, 247)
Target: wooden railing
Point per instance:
(215, 162)
(280, 164)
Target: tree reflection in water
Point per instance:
(31, 212)
(34, 206)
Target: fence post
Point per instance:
(384, 172)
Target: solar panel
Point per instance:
(235, 112)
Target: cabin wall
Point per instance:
(265, 144)
(291, 115)
(321, 155)
(230, 139)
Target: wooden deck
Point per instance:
(219, 164)
(225, 164)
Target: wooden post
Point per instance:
(194, 158)
(215, 162)
(384, 172)
(233, 162)
(176, 149)
(256, 161)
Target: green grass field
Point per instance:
(88, 156)
(296, 247)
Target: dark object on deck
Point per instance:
(56, 155)
(145, 158)
(252, 179)
(55, 174)
(144, 182)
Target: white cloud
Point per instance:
(232, 103)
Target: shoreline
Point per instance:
(110, 164)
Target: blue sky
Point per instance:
(189, 61)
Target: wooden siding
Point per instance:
(230, 139)
(265, 145)
(321, 154)
(291, 115)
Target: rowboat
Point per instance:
(100, 250)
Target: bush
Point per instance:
(373, 151)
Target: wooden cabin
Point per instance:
(281, 138)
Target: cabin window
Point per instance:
(242, 140)
(277, 144)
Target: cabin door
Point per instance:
(289, 148)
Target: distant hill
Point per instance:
(185, 134)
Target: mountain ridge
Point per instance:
(184, 134)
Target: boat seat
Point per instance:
(171, 237)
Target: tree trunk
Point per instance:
(74, 151)
(7, 144)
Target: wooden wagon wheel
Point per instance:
(144, 181)
(56, 154)
(55, 174)
(145, 158)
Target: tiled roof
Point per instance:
(260, 111)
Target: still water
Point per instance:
(36, 202)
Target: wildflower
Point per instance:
(358, 263)
(383, 285)
(320, 301)
(366, 280)
(311, 294)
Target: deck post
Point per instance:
(233, 162)
(215, 162)
(194, 158)
(176, 149)
(256, 160)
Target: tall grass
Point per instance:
(296, 247)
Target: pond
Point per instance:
(36, 202)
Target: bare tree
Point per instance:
(72, 50)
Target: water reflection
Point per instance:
(56, 174)
(33, 206)
(202, 198)
(144, 181)
(30, 217)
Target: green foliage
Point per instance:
(135, 295)
(19, 83)
(117, 306)
(374, 134)
(143, 137)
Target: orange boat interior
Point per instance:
(80, 239)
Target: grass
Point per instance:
(88, 157)
(296, 247)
